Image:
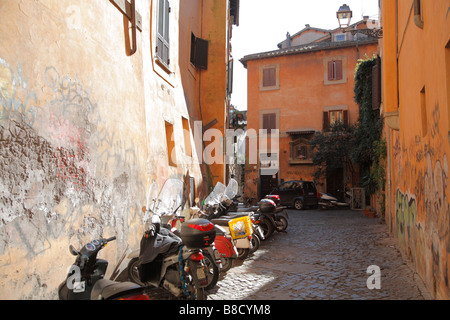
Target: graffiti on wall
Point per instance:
(423, 211)
(16, 99)
(53, 158)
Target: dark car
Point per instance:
(298, 194)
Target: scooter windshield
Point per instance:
(216, 195)
(232, 189)
(170, 198)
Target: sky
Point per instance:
(264, 23)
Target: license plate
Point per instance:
(79, 287)
(201, 275)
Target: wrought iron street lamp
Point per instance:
(344, 16)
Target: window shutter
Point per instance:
(265, 121)
(272, 125)
(230, 76)
(201, 56)
(269, 121)
(269, 77)
(338, 69)
(330, 71)
(162, 39)
(326, 123)
(376, 85)
(346, 119)
(272, 77)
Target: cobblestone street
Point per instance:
(323, 255)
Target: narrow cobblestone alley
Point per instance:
(324, 255)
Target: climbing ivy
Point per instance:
(369, 146)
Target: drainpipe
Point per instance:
(417, 14)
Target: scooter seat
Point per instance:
(248, 209)
(222, 221)
(105, 289)
(234, 215)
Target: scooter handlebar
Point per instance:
(111, 239)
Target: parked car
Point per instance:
(297, 193)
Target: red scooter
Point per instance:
(223, 243)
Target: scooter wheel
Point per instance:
(212, 271)
(282, 224)
(256, 242)
(242, 253)
(267, 228)
(227, 263)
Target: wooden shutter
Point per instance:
(269, 77)
(330, 71)
(230, 76)
(199, 52)
(269, 121)
(376, 85)
(346, 119)
(326, 123)
(162, 39)
(201, 59)
(338, 69)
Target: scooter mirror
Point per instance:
(73, 251)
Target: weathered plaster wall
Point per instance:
(418, 169)
(82, 135)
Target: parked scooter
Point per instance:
(85, 279)
(328, 201)
(267, 218)
(166, 260)
(212, 257)
(223, 243)
(214, 207)
(229, 207)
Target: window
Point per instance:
(162, 38)
(269, 77)
(447, 68)
(340, 37)
(423, 109)
(335, 70)
(170, 140)
(269, 122)
(199, 52)
(330, 117)
(336, 116)
(187, 137)
(230, 77)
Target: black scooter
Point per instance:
(267, 215)
(85, 279)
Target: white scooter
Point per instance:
(328, 201)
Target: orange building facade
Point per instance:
(301, 89)
(416, 102)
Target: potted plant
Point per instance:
(370, 212)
